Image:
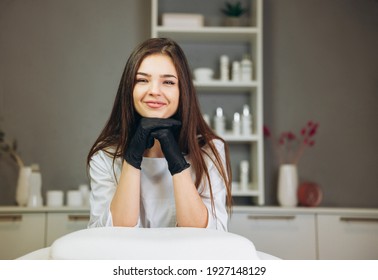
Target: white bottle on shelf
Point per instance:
(244, 171)
(246, 68)
(35, 183)
(236, 124)
(219, 121)
(236, 71)
(224, 68)
(246, 121)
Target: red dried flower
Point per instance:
(291, 148)
(266, 131)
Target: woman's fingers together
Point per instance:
(151, 124)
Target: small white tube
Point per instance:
(219, 121)
(244, 171)
(246, 121)
(236, 124)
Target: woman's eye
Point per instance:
(141, 81)
(169, 83)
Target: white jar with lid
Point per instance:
(246, 68)
(74, 198)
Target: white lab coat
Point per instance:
(157, 207)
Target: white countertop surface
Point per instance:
(19, 209)
(236, 209)
(303, 210)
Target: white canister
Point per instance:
(203, 74)
(54, 198)
(246, 68)
(84, 190)
(74, 198)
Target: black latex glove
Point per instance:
(142, 139)
(171, 150)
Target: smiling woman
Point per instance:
(156, 92)
(157, 163)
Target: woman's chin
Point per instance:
(155, 115)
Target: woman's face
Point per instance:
(156, 91)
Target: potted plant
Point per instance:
(233, 13)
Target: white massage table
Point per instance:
(120, 243)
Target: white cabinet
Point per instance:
(24, 230)
(348, 236)
(201, 45)
(59, 224)
(284, 235)
(309, 233)
(21, 233)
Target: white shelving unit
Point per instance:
(246, 35)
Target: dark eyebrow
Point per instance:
(169, 76)
(163, 76)
(143, 74)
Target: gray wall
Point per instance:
(321, 63)
(61, 61)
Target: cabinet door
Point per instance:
(21, 234)
(284, 236)
(348, 237)
(59, 224)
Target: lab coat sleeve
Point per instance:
(103, 187)
(218, 218)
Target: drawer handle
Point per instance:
(10, 218)
(77, 218)
(356, 219)
(251, 217)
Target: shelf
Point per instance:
(252, 191)
(224, 85)
(217, 34)
(240, 138)
(204, 45)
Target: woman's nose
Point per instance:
(155, 88)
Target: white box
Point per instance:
(182, 20)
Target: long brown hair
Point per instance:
(195, 133)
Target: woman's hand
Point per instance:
(171, 150)
(142, 139)
(190, 209)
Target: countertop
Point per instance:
(235, 209)
(43, 209)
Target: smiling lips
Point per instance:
(155, 104)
